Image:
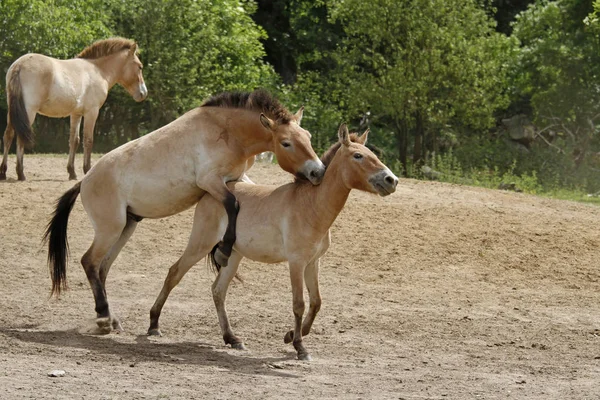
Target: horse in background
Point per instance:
(77, 88)
(286, 223)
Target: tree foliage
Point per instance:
(431, 78)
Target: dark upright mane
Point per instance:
(106, 47)
(258, 100)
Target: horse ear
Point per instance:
(298, 115)
(267, 123)
(133, 49)
(362, 139)
(344, 135)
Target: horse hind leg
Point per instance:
(219, 291)
(20, 154)
(115, 323)
(204, 235)
(176, 273)
(99, 253)
(31, 113)
(9, 135)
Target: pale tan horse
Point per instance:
(286, 223)
(168, 171)
(75, 88)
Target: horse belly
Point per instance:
(60, 104)
(262, 245)
(162, 202)
(64, 97)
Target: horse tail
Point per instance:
(16, 108)
(56, 235)
(215, 266)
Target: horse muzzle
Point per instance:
(141, 93)
(384, 182)
(313, 171)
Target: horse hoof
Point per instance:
(116, 325)
(103, 327)
(72, 177)
(21, 178)
(154, 332)
(238, 346)
(289, 337)
(2, 177)
(220, 258)
(304, 357)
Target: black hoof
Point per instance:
(154, 332)
(304, 357)
(116, 325)
(238, 346)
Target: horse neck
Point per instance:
(248, 131)
(110, 67)
(330, 196)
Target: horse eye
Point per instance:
(286, 144)
(358, 156)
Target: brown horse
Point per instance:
(287, 223)
(37, 84)
(168, 171)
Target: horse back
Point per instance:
(55, 88)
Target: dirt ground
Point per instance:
(436, 292)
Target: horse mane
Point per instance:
(106, 47)
(258, 100)
(327, 157)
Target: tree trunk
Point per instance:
(402, 143)
(418, 148)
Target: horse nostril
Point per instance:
(313, 174)
(389, 180)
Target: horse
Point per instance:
(168, 171)
(286, 223)
(38, 84)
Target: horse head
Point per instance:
(291, 145)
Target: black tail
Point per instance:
(16, 109)
(215, 266)
(56, 235)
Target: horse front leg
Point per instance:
(219, 292)
(89, 121)
(311, 276)
(9, 135)
(221, 193)
(296, 276)
(73, 144)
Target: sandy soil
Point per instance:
(436, 292)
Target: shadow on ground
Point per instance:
(145, 349)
